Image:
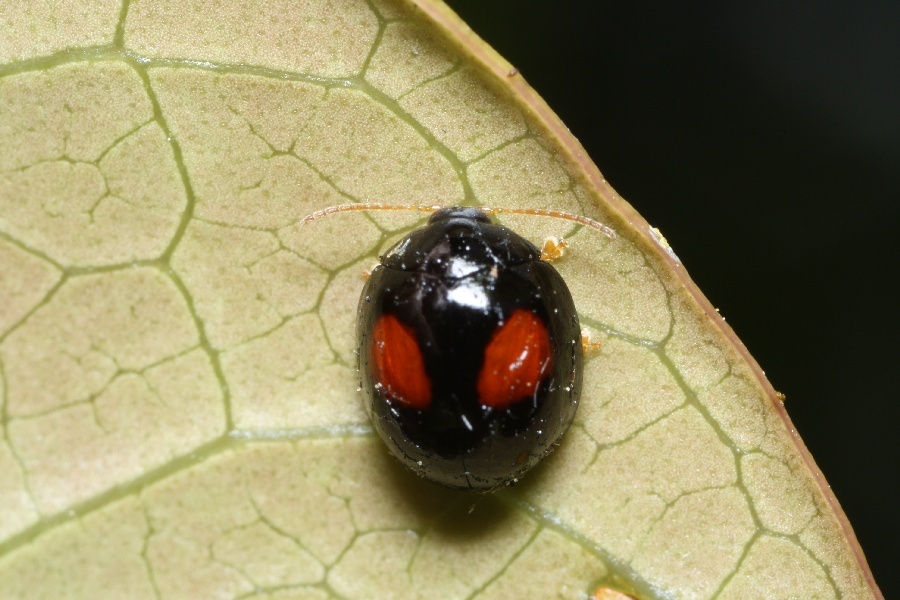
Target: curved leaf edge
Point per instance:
(481, 53)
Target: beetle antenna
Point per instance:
(367, 206)
(539, 212)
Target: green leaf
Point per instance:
(177, 372)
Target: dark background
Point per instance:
(763, 139)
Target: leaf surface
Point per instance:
(179, 406)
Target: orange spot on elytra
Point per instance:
(516, 360)
(398, 367)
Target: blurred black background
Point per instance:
(763, 139)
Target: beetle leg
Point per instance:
(553, 249)
(588, 345)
